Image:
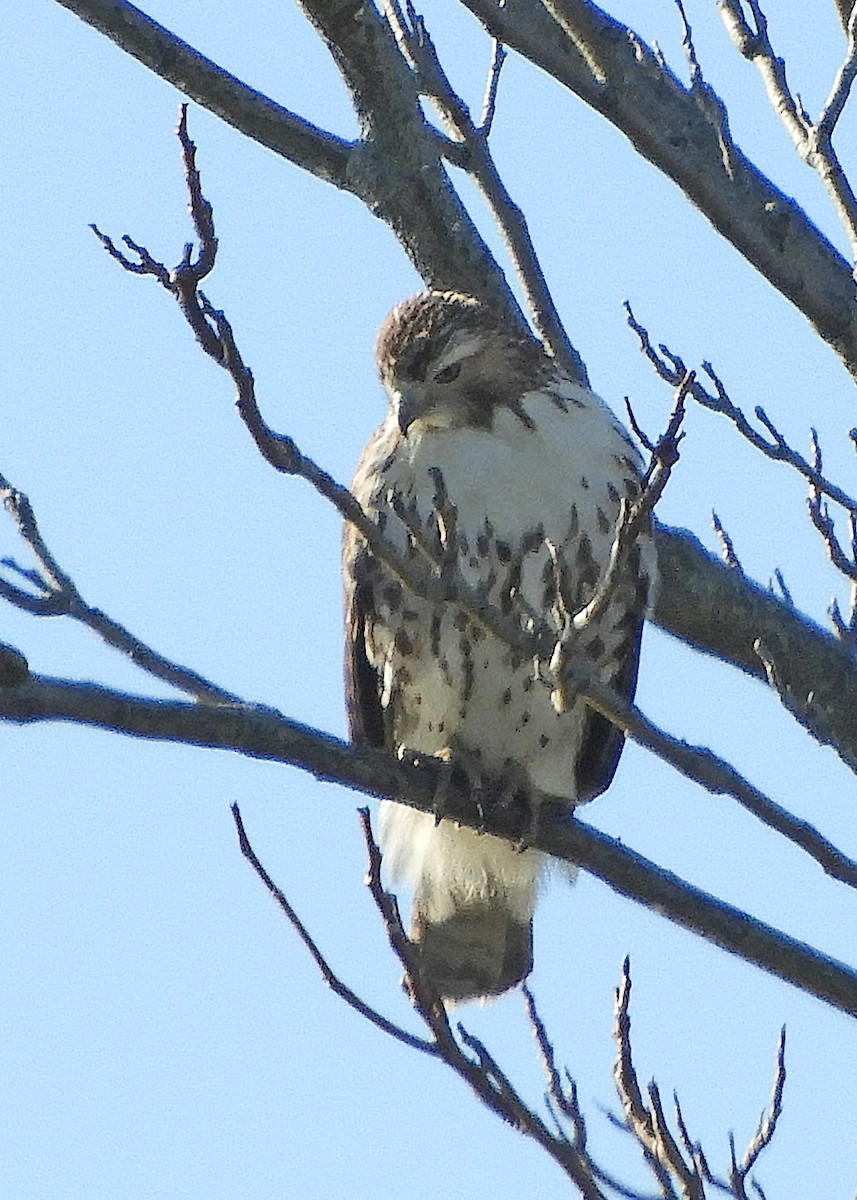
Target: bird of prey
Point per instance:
(489, 456)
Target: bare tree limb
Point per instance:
(328, 975)
(393, 167)
(676, 1177)
(262, 733)
(610, 68)
(812, 140)
(636, 517)
(470, 1059)
(473, 155)
(845, 9)
(718, 777)
(397, 171)
(242, 107)
(58, 595)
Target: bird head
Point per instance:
(447, 361)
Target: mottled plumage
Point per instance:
(491, 451)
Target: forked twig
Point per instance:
(634, 518)
(328, 975)
(672, 370)
(56, 594)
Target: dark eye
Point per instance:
(448, 374)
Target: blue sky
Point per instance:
(163, 1034)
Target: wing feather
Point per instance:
(602, 742)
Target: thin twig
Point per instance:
(727, 546)
(330, 978)
(843, 81)
(489, 103)
(59, 596)
(636, 517)
(820, 516)
(637, 1116)
(672, 370)
(565, 1102)
(764, 1134)
(785, 591)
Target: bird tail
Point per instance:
(474, 896)
(479, 951)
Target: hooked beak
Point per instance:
(410, 406)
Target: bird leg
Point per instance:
(515, 793)
(456, 760)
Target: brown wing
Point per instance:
(362, 693)
(603, 741)
(360, 572)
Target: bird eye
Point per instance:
(448, 374)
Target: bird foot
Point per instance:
(463, 767)
(517, 796)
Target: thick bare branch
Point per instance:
(248, 111)
(265, 734)
(711, 607)
(610, 68)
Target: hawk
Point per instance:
(490, 453)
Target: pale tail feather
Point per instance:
(474, 897)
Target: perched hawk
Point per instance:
(488, 451)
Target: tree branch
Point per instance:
(471, 152)
(685, 135)
(811, 140)
(58, 595)
(241, 106)
(717, 611)
(328, 975)
(397, 170)
(265, 734)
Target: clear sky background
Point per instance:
(162, 1033)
